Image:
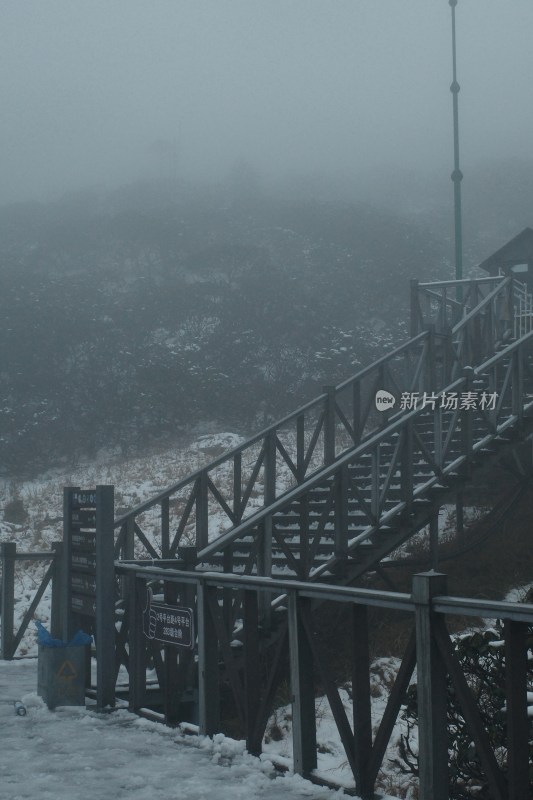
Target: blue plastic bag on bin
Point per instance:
(47, 640)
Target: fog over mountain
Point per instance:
(119, 90)
(209, 209)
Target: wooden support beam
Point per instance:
(329, 424)
(237, 486)
(518, 726)
(202, 511)
(493, 773)
(415, 316)
(467, 424)
(434, 540)
(208, 670)
(302, 690)
(362, 721)
(8, 551)
(272, 683)
(128, 546)
(56, 621)
(341, 512)
(165, 528)
(356, 412)
(392, 709)
(66, 592)
(137, 643)
(172, 673)
(105, 598)
(332, 693)
(252, 670)
(432, 692)
(406, 475)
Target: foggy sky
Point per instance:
(91, 90)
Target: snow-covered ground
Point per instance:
(74, 752)
(78, 748)
(332, 764)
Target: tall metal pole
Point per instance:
(457, 175)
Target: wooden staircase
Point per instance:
(361, 482)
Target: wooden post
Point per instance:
(432, 694)
(374, 481)
(415, 308)
(362, 720)
(356, 416)
(430, 367)
(173, 690)
(467, 423)
(165, 528)
(128, 545)
(208, 671)
(434, 540)
(302, 690)
(269, 495)
(8, 551)
(300, 448)
(202, 511)
(56, 621)
(329, 425)
(252, 671)
(66, 594)
(264, 553)
(517, 388)
(137, 600)
(105, 598)
(237, 487)
(305, 561)
(517, 711)
(406, 475)
(341, 512)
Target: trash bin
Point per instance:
(61, 669)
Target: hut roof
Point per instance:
(517, 251)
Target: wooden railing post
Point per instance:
(516, 652)
(302, 691)
(237, 487)
(356, 413)
(264, 554)
(252, 670)
(128, 544)
(202, 511)
(431, 691)
(517, 387)
(448, 360)
(56, 621)
(406, 475)
(415, 308)
(434, 539)
(105, 597)
(362, 717)
(430, 365)
(329, 425)
(8, 552)
(165, 527)
(300, 448)
(137, 600)
(341, 512)
(467, 422)
(270, 468)
(208, 670)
